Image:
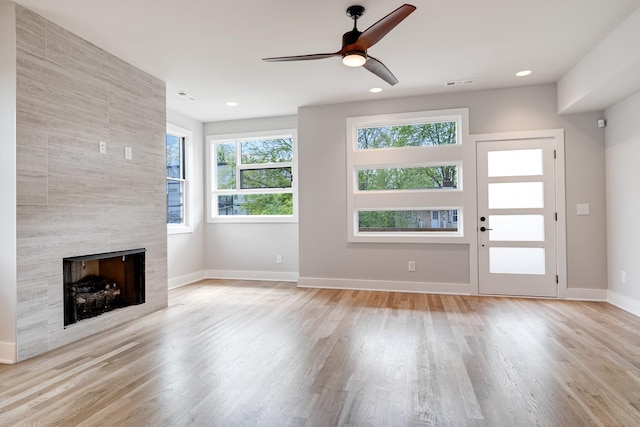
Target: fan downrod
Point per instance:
(355, 12)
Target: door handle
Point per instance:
(483, 229)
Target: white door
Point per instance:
(517, 220)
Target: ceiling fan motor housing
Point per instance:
(350, 37)
(354, 12)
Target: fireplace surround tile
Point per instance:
(75, 54)
(32, 156)
(31, 32)
(72, 200)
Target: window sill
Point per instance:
(179, 229)
(448, 238)
(254, 220)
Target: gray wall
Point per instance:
(71, 200)
(623, 173)
(324, 252)
(250, 250)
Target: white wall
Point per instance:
(325, 256)
(8, 268)
(186, 251)
(623, 202)
(249, 251)
(605, 75)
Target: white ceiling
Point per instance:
(212, 49)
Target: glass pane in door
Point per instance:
(516, 195)
(516, 261)
(515, 162)
(516, 228)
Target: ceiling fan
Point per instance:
(355, 43)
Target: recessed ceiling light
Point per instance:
(375, 90)
(231, 104)
(523, 73)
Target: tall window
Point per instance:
(253, 177)
(178, 156)
(404, 176)
(175, 179)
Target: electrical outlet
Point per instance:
(128, 153)
(278, 259)
(623, 276)
(103, 147)
(412, 266)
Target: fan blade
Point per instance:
(301, 57)
(380, 70)
(377, 31)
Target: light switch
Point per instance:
(583, 209)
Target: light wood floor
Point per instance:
(230, 353)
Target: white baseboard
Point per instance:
(388, 286)
(8, 353)
(624, 302)
(582, 294)
(177, 282)
(276, 276)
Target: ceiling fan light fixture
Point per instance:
(354, 59)
(356, 43)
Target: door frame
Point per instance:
(561, 223)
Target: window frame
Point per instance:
(459, 155)
(187, 135)
(213, 192)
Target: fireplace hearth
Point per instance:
(99, 283)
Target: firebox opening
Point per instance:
(96, 284)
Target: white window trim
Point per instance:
(187, 226)
(461, 198)
(212, 216)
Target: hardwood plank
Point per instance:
(267, 353)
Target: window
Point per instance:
(420, 221)
(404, 177)
(178, 159)
(253, 177)
(175, 179)
(408, 178)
